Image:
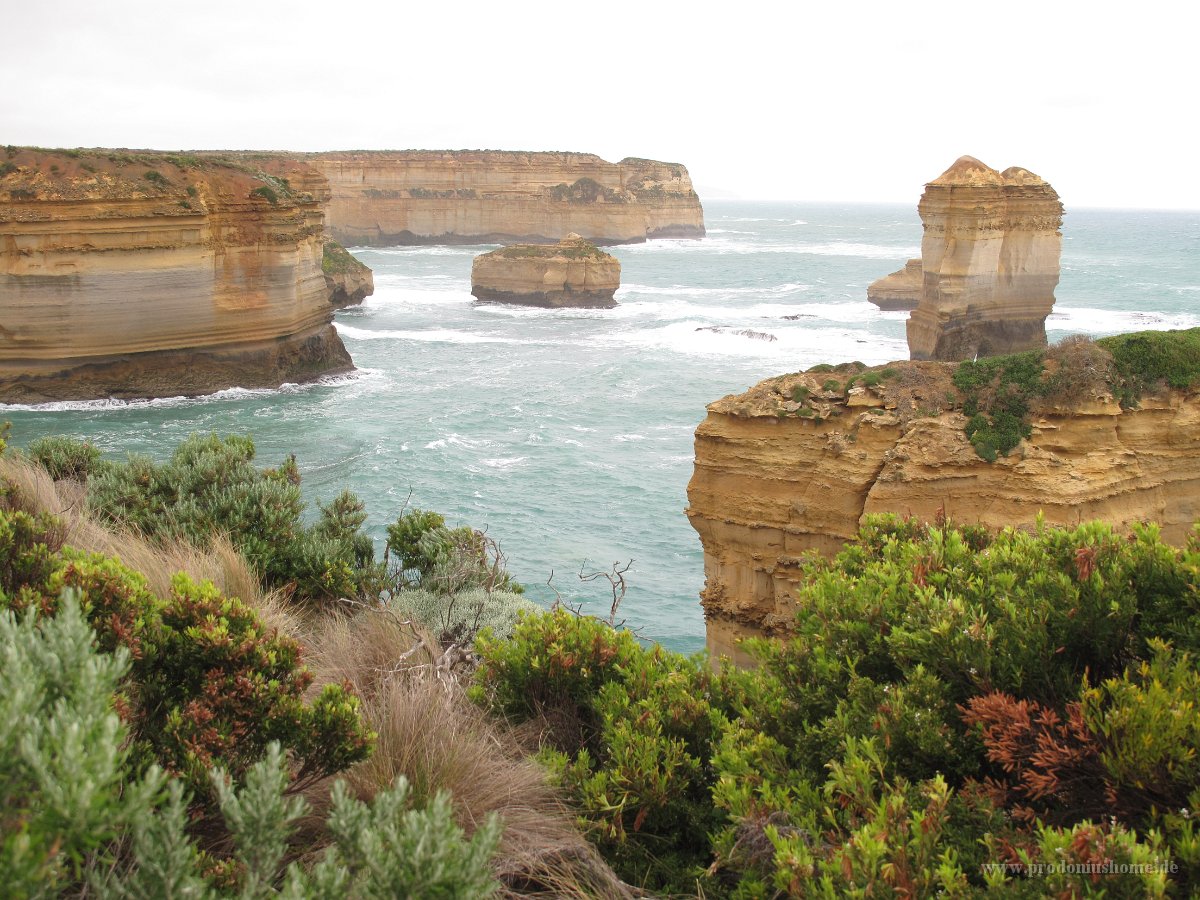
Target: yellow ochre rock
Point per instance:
(989, 263)
(570, 273)
(386, 198)
(775, 478)
(140, 274)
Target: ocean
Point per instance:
(567, 434)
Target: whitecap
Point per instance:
(433, 335)
(106, 404)
(625, 438)
(504, 462)
(1112, 321)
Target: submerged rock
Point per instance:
(571, 273)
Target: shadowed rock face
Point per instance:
(770, 485)
(388, 198)
(990, 263)
(132, 274)
(899, 291)
(571, 273)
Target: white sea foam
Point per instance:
(1111, 321)
(626, 438)
(457, 440)
(504, 462)
(434, 335)
(792, 343)
(358, 376)
(723, 246)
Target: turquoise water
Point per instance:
(568, 433)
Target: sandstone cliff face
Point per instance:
(347, 280)
(571, 273)
(471, 197)
(990, 259)
(899, 291)
(771, 484)
(148, 274)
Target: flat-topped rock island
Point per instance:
(571, 273)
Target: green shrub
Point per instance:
(65, 457)
(997, 392)
(65, 789)
(266, 192)
(208, 684)
(156, 178)
(459, 617)
(1146, 359)
(210, 486)
(632, 731)
(870, 719)
(430, 556)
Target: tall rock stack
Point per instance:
(990, 262)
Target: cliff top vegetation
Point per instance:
(997, 396)
(248, 703)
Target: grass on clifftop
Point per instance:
(337, 260)
(999, 394)
(577, 250)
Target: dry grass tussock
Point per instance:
(428, 729)
(430, 732)
(30, 488)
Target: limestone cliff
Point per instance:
(990, 259)
(135, 274)
(899, 291)
(571, 273)
(484, 196)
(794, 464)
(347, 280)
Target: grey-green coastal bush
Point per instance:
(78, 815)
(461, 616)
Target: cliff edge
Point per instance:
(793, 465)
(387, 198)
(144, 274)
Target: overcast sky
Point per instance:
(795, 101)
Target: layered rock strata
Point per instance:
(899, 291)
(133, 274)
(571, 273)
(348, 281)
(990, 262)
(484, 196)
(776, 477)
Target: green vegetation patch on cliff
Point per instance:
(570, 250)
(337, 260)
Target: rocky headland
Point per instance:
(794, 464)
(386, 198)
(142, 274)
(571, 273)
(348, 281)
(989, 260)
(899, 291)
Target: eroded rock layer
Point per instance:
(571, 273)
(132, 274)
(470, 197)
(990, 260)
(899, 291)
(776, 477)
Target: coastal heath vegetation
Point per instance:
(954, 711)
